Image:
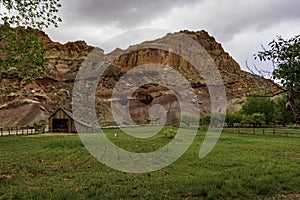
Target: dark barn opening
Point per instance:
(63, 121)
(60, 125)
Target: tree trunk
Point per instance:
(292, 107)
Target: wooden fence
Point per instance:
(265, 131)
(286, 131)
(21, 130)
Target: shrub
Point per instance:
(256, 119)
(231, 119)
(259, 103)
(170, 133)
(205, 120)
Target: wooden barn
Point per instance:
(63, 121)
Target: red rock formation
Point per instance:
(54, 88)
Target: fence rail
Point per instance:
(265, 131)
(21, 130)
(31, 130)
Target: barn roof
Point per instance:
(27, 113)
(72, 117)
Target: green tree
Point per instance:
(255, 119)
(231, 119)
(259, 103)
(282, 115)
(217, 119)
(33, 13)
(22, 52)
(205, 120)
(188, 120)
(214, 120)
(285, 56)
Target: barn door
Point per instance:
(60, 125)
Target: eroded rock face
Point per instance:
(54, 88)
(238, 84)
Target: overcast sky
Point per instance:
(241, 26)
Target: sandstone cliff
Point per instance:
(54, 88)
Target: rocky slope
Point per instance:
(54, 88)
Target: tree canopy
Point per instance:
(282, 115)
(259, 103)
(22, 53)
(256, 119)
(285, 56)
(33, 13)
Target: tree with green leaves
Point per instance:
(188, 120)
(259, 103)
(33, 13)
(255, 119)
(231, 119)
(22, 53)
(215, 120)
(205, 120)
(285, 56)
(282, 115)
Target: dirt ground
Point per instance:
(53, 134)
(284, 197)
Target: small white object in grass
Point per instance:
(116, 135)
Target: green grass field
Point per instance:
(241, 166)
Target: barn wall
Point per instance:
(60, 114)
(73, 128)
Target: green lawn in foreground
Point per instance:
(241, 166)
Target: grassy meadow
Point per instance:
(241, 166)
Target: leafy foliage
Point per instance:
(214, 120)
(255, 119)
(231, 119)
(285, 55)
(34, 13)
(205, 120)
(189, 120)
(259, 109)
(22, 53)
(170, 133)
(258, 103)
(217, 119)
(282, 115)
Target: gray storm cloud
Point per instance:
(123, 13)
(241, 26)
